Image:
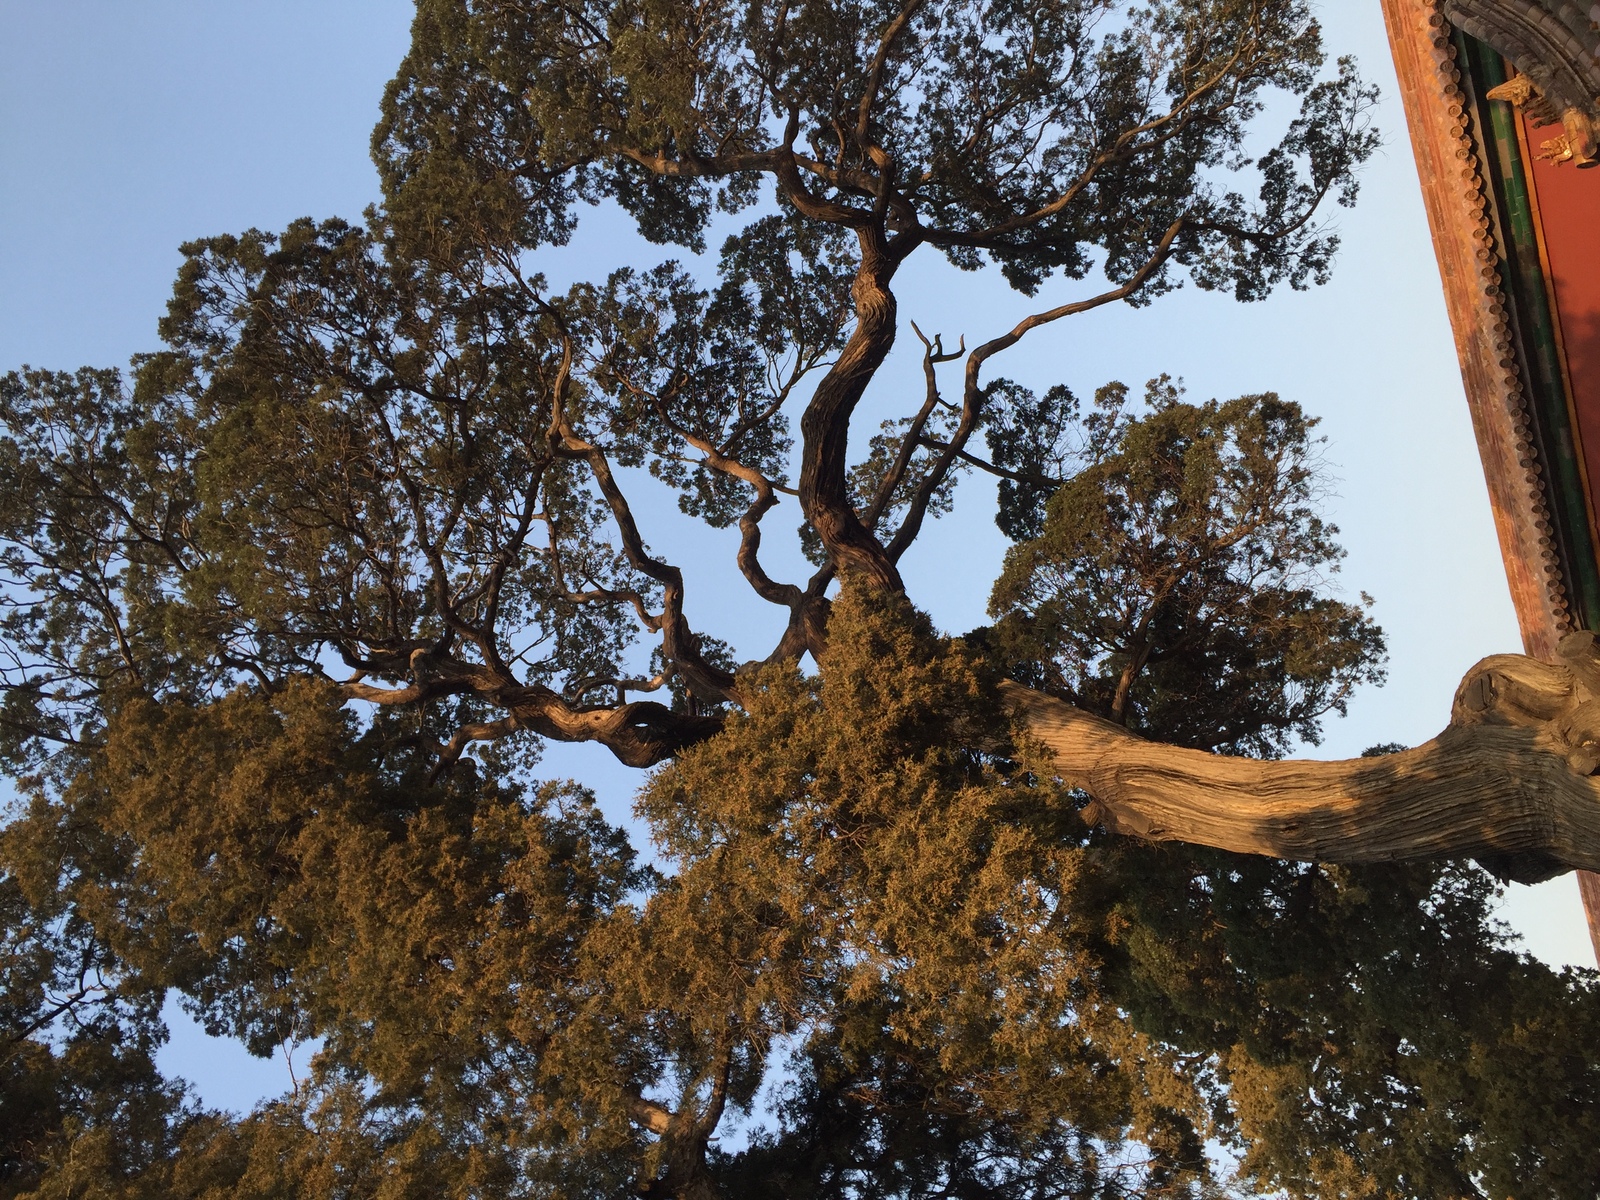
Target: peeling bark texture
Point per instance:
(1510, 782)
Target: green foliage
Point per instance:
(969, 992)
(380, 447)
(291, 882)
(923, 910)
(1036, 135)
(1174, 582)
(336, 461)
(82, 1106)
(368, 508)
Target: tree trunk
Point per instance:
(1510, 781)
(825, 424)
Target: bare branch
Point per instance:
(869, 93)
(717, 459)
(1166, 126)
(972, 397)
(932, 355)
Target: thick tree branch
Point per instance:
(694, 166)
(825, 424)
(433, 677)
(808, 621)
(679, 645)
(718, 459)
(1510, 781)
(465, 735)
(869, 93)
(640, 733)
(655, 1117)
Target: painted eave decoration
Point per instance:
(1502, 99)
(1553, 48)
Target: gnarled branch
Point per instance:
(1511, 781)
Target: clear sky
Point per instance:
(128, 128)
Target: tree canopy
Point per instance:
(290, 606)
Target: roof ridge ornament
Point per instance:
(1556, 50)
(1576, 142)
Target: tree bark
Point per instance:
(1510, 782)
(825, 424)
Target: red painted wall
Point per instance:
(1569, 209)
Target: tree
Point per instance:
(288, 616)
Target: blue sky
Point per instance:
(126, 129)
